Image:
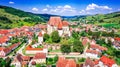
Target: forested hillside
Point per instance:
(11, 17)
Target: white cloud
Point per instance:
(95, 9)
(67, 7)
(95, 6)
(35, 9)
(45, 9)
(60, 10)
(11, 2)
(69, 10)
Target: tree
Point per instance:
(75, 35)
(46, 37)
(55, 37)
(65, 49)
(77, 46)
(56, 58)
(38, 65)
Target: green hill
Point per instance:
(11, 17)
(111, 20)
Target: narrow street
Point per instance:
(20, 50)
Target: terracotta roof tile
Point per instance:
(40, 56)
(25, 58)
(54, 21)
(40, 34)
(107, 61)
(98, 47)
(117, 38)
(30, 48)
(89, 62)
(92, 51)
(62, 62)
(65, 23)
(60, 26)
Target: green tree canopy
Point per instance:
(77, 46)
(65, 49)
(55, 37)
(46, 37)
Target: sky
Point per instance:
(65, 7)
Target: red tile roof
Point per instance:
(7, 50)
(1, 48)
(59, 25)
(25, 58)
(54, 21)
(10, 48)
(41, 26)
(4, 31)
(4, 39)
(40, 34)
(65, 23)
(96, 62)
(92, 51)
(62, 62)
(107, 61)
(30, 48)
(71, 63)
(98, 47)
(40, 56)
(89, 62)
(85, 41)
(117, 38)
(24, 62)
(14, 46)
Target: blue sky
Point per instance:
(65, 7)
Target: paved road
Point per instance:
(20, 50)
(82, 55)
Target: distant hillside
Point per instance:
(11, 17)
(111, 20)
(46, 16)
(101, 18)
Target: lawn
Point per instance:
(56, 50)
(109, 25)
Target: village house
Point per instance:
(31, 50)
(63, 62)
(97, 47)
(56, 24)
(40, 38)
(3, 32)
(4, 51)
(4, 40)
(39, 58)
(94, 51)
(89, 63)
(116, 43)
(20, 60)
(85, 41)
(16, 62)
(104, 61)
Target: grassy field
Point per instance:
(56, 50)
(109, 25)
